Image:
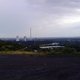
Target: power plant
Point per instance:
(25, 38)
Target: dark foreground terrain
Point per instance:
(21, 67)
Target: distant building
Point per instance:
(51, 46)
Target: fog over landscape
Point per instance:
(46, 18)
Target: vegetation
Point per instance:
(7, 47)
(66, 51)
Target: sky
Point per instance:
(46, 18)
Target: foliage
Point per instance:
(5, 46)
(67, 51)
(16, 46)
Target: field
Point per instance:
(25, 67)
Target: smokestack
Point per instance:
(17, 38)
(25, 38)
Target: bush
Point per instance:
(63, 51)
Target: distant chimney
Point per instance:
(25, 38)
(17, 38)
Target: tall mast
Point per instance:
(30, 33)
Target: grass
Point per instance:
(21, 53)
(55, 52)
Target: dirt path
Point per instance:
(20, 67)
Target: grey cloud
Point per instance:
(59, 7)
(50, 14)
(43, 16)
(56, 3)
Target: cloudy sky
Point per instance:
(46, 18)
